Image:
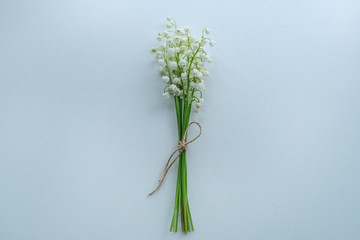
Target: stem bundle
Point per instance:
(181, 208)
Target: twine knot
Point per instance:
(182, 146)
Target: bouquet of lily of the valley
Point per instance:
(182, 61)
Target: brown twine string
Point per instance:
(181, 147)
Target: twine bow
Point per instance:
(181, 147)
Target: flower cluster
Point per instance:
(182, 61)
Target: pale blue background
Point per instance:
(85, 132)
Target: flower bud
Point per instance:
(165, 95)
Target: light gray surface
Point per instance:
(85, 132)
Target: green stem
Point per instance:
(179, 114)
